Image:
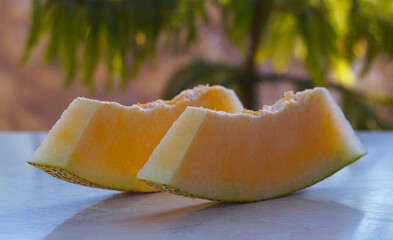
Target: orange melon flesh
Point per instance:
(104, 144)
(253, 156)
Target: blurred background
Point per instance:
(129, 51)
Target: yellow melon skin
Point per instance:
(104, 144)
(252, 156)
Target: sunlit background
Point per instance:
(129, 51)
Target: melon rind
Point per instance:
(64, 175)
(179, 192)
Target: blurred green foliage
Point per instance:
(327, 35)
(121, 34)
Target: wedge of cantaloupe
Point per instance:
(104, 144)
(252, 156)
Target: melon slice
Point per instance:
(251, 156)
(104, 144)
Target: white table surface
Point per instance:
(355, 203)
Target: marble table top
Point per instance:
(355, 203)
